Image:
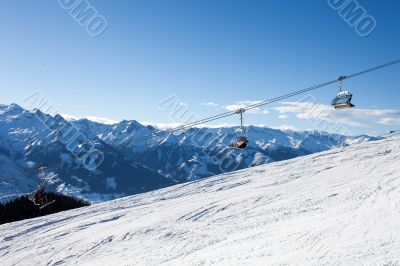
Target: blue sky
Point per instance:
(210, 55)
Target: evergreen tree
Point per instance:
(22, 208)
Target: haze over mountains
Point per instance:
(134, 167)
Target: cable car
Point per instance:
(343, 99)
(241, 142)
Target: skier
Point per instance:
(39, 198)
(241, 143)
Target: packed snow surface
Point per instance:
(340, 206)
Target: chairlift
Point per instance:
(241, 141)
(343, 99)
(39, 197)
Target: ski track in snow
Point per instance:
(337, 207)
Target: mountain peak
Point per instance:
(15, 106)
(59, 118)
(13, 109)
(129, 125)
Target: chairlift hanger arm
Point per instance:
(340, 79)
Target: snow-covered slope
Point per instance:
(340, 206)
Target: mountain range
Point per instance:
(29, 138)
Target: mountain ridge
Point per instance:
(28, 138)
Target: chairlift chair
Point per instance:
(343, 98)
(241, 142)
(39, 197)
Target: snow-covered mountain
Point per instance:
(339, 207)
(28, 138)
(202, 152)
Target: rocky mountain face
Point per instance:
(100, 162)
(30, 138)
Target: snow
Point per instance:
(337, 207)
